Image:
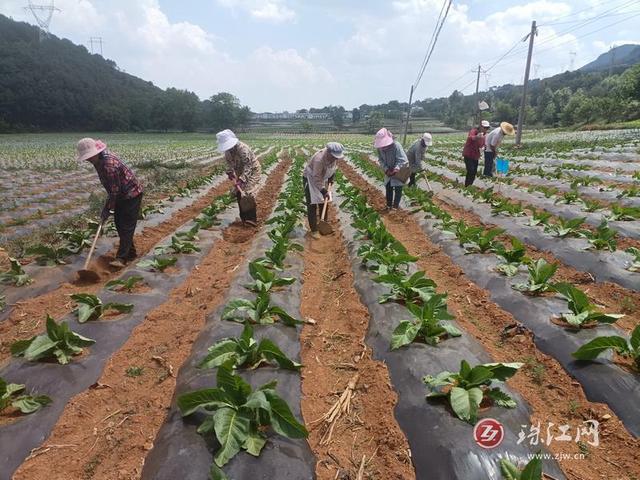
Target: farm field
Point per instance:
(371, 353)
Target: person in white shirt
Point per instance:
(491, 144)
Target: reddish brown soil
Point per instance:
(27, 319)
(333, 351)
(551, 393)
(108, 430)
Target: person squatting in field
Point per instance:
(415, 155)
(244, 169)
(471, 151)
(124, 195)
(491, 144)
(392, 158)
(318, 176)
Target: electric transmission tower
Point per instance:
(43, 13)
(98, 42)
(573, 60)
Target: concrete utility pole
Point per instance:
(406, 123)
(475, 99)
(523, 104)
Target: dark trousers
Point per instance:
(472, 170)
(412, 180)
(488, 163)
(313, 208)
(394, 194)
(246, 215)
(126, 217)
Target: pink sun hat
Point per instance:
(88, 147)
(383, 138)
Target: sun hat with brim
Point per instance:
(226, 140)
(485, 123)
(88, 148)
(383, 138)
(335, 149)
(507, 128)
(428, 139)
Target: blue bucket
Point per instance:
(502, 165)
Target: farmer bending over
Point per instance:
(415, 155)
(244, 169)
(125, 195)
(317, 180)
(471, 151)
(392, 158)
(491, 144)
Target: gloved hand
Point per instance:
(104, 215)
(325, 193)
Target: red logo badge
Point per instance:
(488, 433)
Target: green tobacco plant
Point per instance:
(633, 191)
(177, 245)
(58, 342)
(49, 256)
(414, 289)
(634, 266)
(246, 352)
(604, 238)
(485, 241)
(429, 323)
(531, 471)
(465, 390)
(259, 311)
(565, 228)
(623, 347)
(620, 213)
(504, 206)
(539, 217)
(384, 262)
(150, 210)
(15, 275)
(466, 234)
(12, 394)
(569, 198)
(238, 415)
(77, 240)
(158, 264)
(512, 258)
(265, 280)
(583, 313)
(91, 307)
(592, 205)
(540, 272)
(126, 284)
(190, 235)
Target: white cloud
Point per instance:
(275, 11)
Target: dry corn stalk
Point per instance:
(338, 409)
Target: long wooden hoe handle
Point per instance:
(324, 209)
(93, 246)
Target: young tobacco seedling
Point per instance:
(190, 235)
(178, 246)
(540, 272)
(513, 258)
(77, 240)
(626, 348)
(246, 352)
(49, 256)
(465, 390)
(428, 324)
(565, 228)
(238, 415)
(620, 213)
(485, 241)
(592, 205)
(539, 217)
(414, 289)
(90, 307)
(158, 263)
(604, 238)
(58, 342)
(15, 275)
(265, 280)
(259, 311)
(126, 284)
(583, 313)
(531, 471)
(13, 394)
(634, 266)
(569, 198)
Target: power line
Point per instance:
(437, 31)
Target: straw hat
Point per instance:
(383, 138)
(507, 128)
(88, 148)
(428, 139)
(226, 140)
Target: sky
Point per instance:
(277, 55)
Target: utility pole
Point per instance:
(475, 98)
(526, 81)
(406, 123)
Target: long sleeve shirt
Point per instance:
(320, 169)
(242, 162)
(493, 140)
(475, 141)
(415, 155)
(117, 179)
(390, 159)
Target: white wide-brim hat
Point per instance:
(485, 123)
(428, 139)
(383, 138)
(226, 140)
(335, 149)
(88, 148)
